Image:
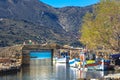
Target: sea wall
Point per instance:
(10, 58)
(11, 52)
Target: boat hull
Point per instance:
(102, 65)
(74, 63)
(62, 60)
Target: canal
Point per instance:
(41, 68)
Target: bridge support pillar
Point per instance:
(26, 57)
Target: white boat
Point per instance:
(62, 60)
(74, 62)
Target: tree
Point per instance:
(101, 29)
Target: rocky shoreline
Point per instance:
(10, 59)
(9, 65)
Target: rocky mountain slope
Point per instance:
(22, 20)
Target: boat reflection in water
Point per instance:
(42, 69)
(64, 72)
(89, 74)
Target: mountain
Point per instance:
(70, 18)
(22, 20)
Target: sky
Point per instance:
(63, 3)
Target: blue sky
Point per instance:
(63, 3)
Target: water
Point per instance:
(44, 69)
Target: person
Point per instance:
(82, 59)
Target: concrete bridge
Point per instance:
(55, 49)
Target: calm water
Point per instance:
(44, 69)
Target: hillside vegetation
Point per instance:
(16, 32)
(101, 29)
(22, 20)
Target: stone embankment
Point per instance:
(10, 58)
(112, 77)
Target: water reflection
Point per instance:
(87, 75)
(63, 72)
(42, 69)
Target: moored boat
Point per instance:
(74, 62)
(100, 65)
(62, 60)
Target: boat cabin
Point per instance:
(115, 59)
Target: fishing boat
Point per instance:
(115, 60)
(62, 60)
(93, 63)
(100, 65)
(74, 62)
